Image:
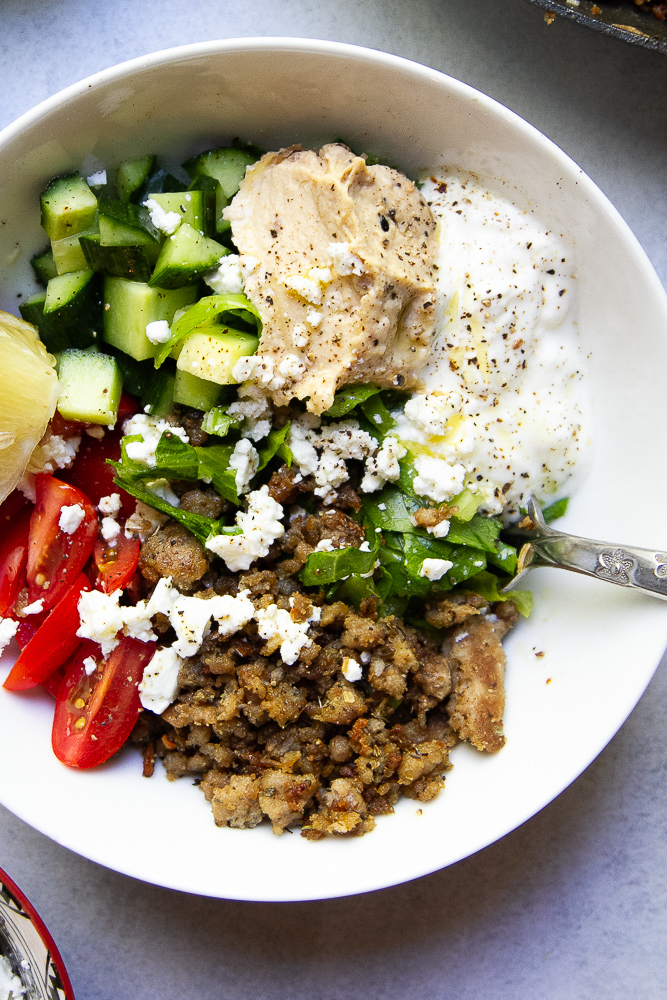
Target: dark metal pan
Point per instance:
(621, 20)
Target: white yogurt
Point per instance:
(504, 407)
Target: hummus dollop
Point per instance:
(338, 257)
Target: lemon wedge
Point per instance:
(28, 397)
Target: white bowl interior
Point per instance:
(601, 644)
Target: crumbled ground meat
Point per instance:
(301, 745)
(173, 552)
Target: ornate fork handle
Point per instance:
(624, 565)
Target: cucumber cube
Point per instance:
(184, 256)
(130, 305)
(90, 387)
(68, 207)
(132, 174)
(68, 253)
(200, 393)
(188, 204)
(212, 355)
(44, 266)
(119, 261)
(63, 290)
(227, 167)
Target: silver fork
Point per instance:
(624, 565)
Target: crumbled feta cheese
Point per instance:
(344, 260)
(144, 522)
(97, 179)
(365, 657)
(158, 331)
(435, 569)
(162, 489)
(255, 368)
(325, 545)
(110, 504)
(90, 665)
(70, 518)
(150, 429)
(383, 466)
(53, 452)
(437, 479)
(245, 460)
(166, 222)
(159, 685)
(253, 406)
(300, 336)
(314, 318)
(291, 367)
(8, 628)
(276, 623)
(35, 608)
(110, 529)
(336, 443)
(260, 526)
(351, 669)
(382, 506)
(440, 530)
(227, 279)
(101, 618)
(306, 288)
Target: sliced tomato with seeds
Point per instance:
(52, 644)
(13, 555)
(116, 564)
(96, 712)
(56, 558)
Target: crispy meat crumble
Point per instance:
(303, 744)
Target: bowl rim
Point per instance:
(318, 46)
(22, 900)
(411, 69)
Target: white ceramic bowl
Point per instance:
(601, 643)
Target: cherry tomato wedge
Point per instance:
(96, 713)
(53, 682)
(116, 564)
(13, 557)
(52, 644)
(56, 558)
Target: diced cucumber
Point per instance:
(68, 207)
(64, 289)
(210, 354)
(125, 224)
(188, 204)
(189, 390)
(54, 334)
(72, 308)
(68, 254)
(44, 265)
(227, 166)
(160, 180)
(160, 397)
(90, 387)
(133, 263)
(184, 256)
(132, 174)
(130, 305)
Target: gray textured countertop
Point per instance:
(574, 903)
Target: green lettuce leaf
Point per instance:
(322, 568)
(223, 306)
(486, 584)
(348, 397)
